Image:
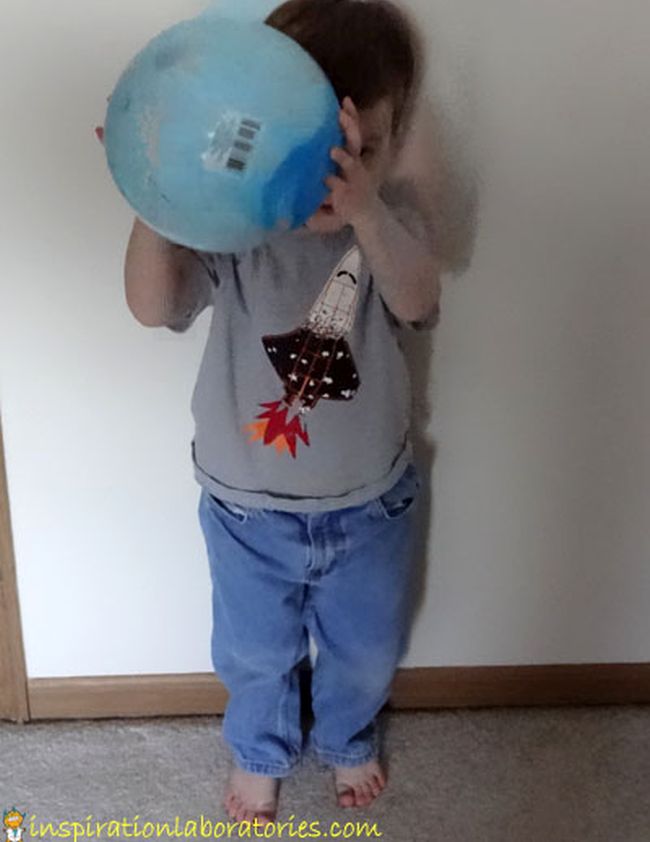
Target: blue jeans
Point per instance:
(344, 577)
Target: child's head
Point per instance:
(371, 52)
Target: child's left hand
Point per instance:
(354, 192)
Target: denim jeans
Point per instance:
(344, 577)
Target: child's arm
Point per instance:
(157, 292)
(415, 200)
(397, 240)
(161, 287)
(398, 246)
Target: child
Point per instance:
(302, 409)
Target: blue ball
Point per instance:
(218, 133)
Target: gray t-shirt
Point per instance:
(303, 397)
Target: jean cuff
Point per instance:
(332, 758)
(259, 767)
(337, 758)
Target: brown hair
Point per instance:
(369, 49)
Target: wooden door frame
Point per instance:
(13, 674)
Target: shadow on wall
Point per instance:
(441, 159)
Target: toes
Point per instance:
(244, 806)
(346, 797)
(376, 785)
(232, 805)
(351, 793)
(362, 795)
(239, 812)
(358, 796)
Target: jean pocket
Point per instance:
(399, 499)
(233, 510)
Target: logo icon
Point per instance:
(12, 823)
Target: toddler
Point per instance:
(302, 411)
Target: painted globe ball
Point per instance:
(218, 133)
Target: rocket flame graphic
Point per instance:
(313, 362)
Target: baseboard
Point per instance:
(413, 688)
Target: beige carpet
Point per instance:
(556, 774)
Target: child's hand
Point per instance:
(354, 192)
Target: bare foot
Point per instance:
(357, 786)
(249, 796)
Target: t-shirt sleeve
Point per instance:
(203, 274)
(402, 199)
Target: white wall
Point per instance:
(539, 494)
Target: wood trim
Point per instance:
(126, 695)
(413, 688)
(13, 675)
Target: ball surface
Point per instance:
(219, 132)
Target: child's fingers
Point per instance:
(352, 133)
(350, 107)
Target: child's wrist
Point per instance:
(370, 215)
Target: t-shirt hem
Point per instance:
(278, 502)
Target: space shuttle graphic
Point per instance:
(313, 362)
